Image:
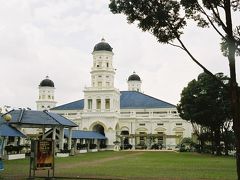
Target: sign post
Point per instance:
(1, 154)
(42, 156)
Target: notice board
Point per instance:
(44, 157)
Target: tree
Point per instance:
(166, 20)
(206, 103)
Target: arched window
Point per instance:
(89, 103)
(98, 103)
(107, 104)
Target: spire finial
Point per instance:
(47, 77)
(103, 40)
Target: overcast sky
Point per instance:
(56, 38)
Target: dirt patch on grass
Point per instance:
(97, 162)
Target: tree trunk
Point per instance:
(236, 123)
(235, 104)
(236, 120)
(212, 142)
(201, 146)
(217, 142)
(225, 134)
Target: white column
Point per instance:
(69, 138)
(98, 144)
(54, 133)
(4, 142)
(43, 136)
(85, 104)
(94, 107)
(61, 138)
(133, 142)
(111, 104)
(102, 104)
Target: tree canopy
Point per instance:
(205, 102)
(166, 20)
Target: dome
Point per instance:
(47, 82)
(134, 77)
(102, 46)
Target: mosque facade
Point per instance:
(129, 117)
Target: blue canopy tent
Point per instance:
(89, 137)
(42, 119)
(6, 130)
(78, 134)
(30, 118)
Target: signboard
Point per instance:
(1, 154)
(1, 146)
(1, 164)
(44, 154)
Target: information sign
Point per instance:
(44, 154)
(1, 164)
(1, 154)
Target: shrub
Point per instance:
(102, 146)
(186, 145)
(92, 146)
(13, 149)
(155, 146)
(64, 151)
(116, 142)
(81, 146)
(126, 146)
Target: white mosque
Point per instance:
(130, 117)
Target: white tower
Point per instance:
(102, 99)
(134, 82)
(46, 95)
(102, 96)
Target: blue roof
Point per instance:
(31, 117)
(128, 100)
(62, 120)
(8, 130)
(137, 100)
(71, 106)
(78, 134)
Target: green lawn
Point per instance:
(134, 165)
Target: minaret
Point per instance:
(102, 74)
(46, 95)
(134, 82)
(102, 96)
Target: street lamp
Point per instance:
(7, 118)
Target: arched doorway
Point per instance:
(99, 128)
(125, 138)
(125, 135)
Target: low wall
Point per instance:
(14, 156)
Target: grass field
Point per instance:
(133, 165)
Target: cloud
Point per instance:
(56, 38)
